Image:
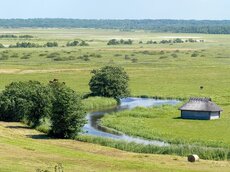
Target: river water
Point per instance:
(93, 128)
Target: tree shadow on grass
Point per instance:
(18, 127)
(177, 117)
(39, 136)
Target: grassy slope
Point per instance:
(24, 149)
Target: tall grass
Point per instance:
(96, 103)
(207, 153)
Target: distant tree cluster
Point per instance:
(25, 36)
(33, 45)
(175, 26)
(51, 44)
(32, 102)
(25, 45)
(172, 41)
(151, 42)
(15, 36)
(8, 36)
(48, 44)
(77, 43)
(121, 41)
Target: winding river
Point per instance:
(93, 128)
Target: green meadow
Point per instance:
(174, 70)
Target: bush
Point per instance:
(51, 44)
(25, 45)
(117, 42)
(72, 43)
(2, 46)
(195, 54)
(109, 81)
(26, 36)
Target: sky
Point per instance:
(117, 9)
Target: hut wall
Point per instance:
(195, 115)
(215, 115)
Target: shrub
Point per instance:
(2, 46)
(72, 43)
(26, 36)
(174, 55)
(134, 60)
(51, 44)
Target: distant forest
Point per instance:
(175, 26)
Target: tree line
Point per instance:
(32, 102)
(176, 26)
(48, 44)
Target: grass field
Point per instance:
(164, 70)
(23, 149)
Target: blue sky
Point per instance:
(116, 9)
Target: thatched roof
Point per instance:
(200, 104)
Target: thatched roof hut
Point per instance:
(200, 108)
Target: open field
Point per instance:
(164, 70)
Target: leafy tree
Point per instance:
(109, 81)
(25, 100)
(68, 116)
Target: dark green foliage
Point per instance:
(14, 55)
(51, 44)
(83, 43)
(26, 56)
(68, 116)
(25, 45)
(4, 57)
(8, 36)
(195, 54)
(53, 55)
(72, 43)
(33, 102)
(191, 40)
(151, 42)
(117, 42)
(134, 60)
(117, 55)
(110, 81)
(2, 46)
(26, 36)
(178, 40)
(176, 26)
(163, 57)
(174, 55)
(127, 57)
(25, 100)
(165, 41)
